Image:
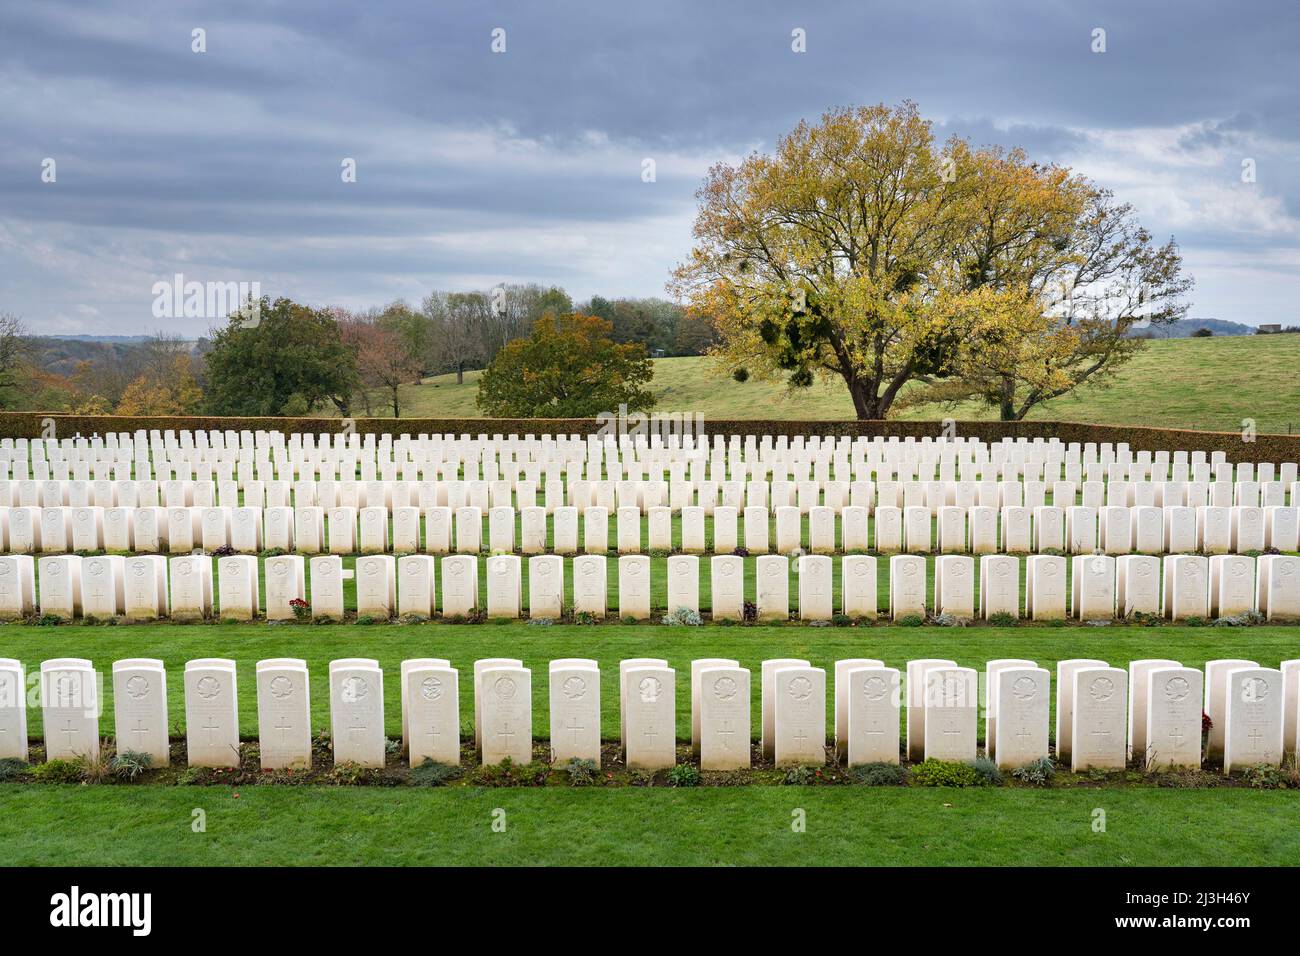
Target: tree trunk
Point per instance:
(1006, 401)
(397, 408)
(460, 373)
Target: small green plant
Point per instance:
(582, 773)
(800, 776)
(585, 618)
(351, 774)
(56, 771)
(989, 773)
(1195, 622)
(301, 609)
(682, 617)
(684, 775)
(878, 774)
(368, 619)
(392, 747)
(945, 773)
(1266, 778)
(909, 620)
(1244, 619)
(130, 764)
(11, 768)
(841, 620)
(1002, 619)
(430, 774)
(1038, 774)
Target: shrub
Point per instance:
(988, 771)
(741, 552)
(878, 774)
(11, 768)
(224, 551)
(684, 775)
(952, 620)
(682, 617)
(56, 771)
(430, 774)
(1039, 773)
(1244, 619)
(301, 609)
(582, 773)
(909, 620)
(1002, 619)
(750, 612)
(800, 776)
(841, 620)
(130, 764)
(945, 773)
(1266, 778)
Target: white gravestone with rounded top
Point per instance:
(283, 714)
(211, 713)
(140, 708)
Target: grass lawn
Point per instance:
(123, 825)
(1208, 383)
(142, 826)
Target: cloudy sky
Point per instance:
(475, 167)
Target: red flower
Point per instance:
(1206, 723)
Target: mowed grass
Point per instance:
(845, 826)
(1211, 384)
(558, 825)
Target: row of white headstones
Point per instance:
(1104, 715)
(1101, 587)
(955, 529)
(638, 493)
(270, 454)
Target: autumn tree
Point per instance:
(383, 360)
(568, 367)
(863, 250)
(169, 390)
(1057, 276)
(287, 362)
(14, 359)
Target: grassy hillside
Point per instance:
(1210, 383)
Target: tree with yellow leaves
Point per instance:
(864, 250)
(175, 392)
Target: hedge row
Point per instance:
(1274, 448)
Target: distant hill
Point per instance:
(116, 339)
(1184, 328)
(61, 353)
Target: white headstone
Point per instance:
(357, 712)
(724, 718)
(284, 714)
(1100, 708)
(211, 713)
(575, 713)
(140, 708)
(506, 712)
(1253, 718)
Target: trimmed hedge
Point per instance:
(1274, 448)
